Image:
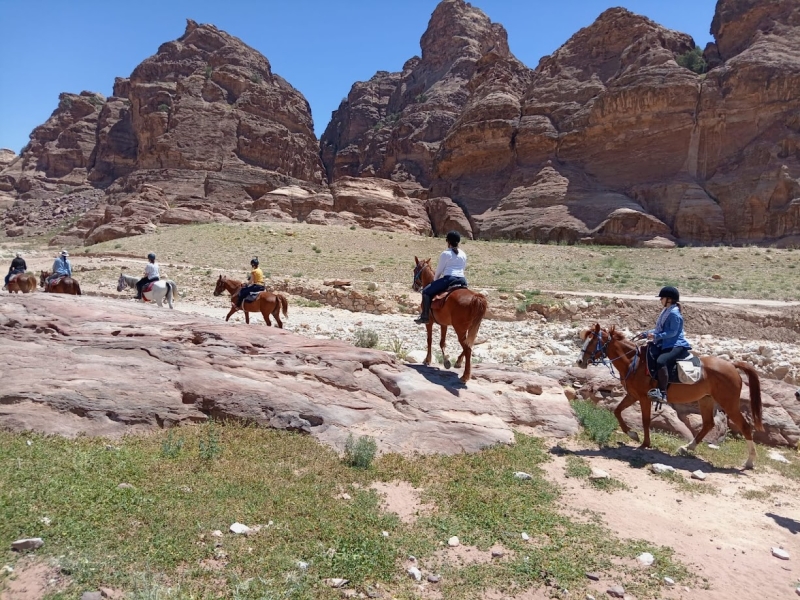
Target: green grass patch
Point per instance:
(598, 423)
(579, 468)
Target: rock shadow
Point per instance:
(449, 380)
(791, 525)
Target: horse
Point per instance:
(65, 285)
(164, 288)
(24, 282)
(462, 309)
(267, 303)
(720, 382)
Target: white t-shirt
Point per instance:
(451, 263)
(151, 270)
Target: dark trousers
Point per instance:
(13, 272)
(441, 284)
(247, 290)
(665, 359)
(141, 283)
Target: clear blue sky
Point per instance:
(320, 47)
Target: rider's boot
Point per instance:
(659, 395)
(426, 310)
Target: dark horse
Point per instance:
(462, 309)
(267, 303)
(720, 382)
(65, 285)
(24, 282)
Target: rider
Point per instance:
(61, 267)
(256, 279)
(449, 272)
(150, 275)
(17, 266)
(668, 340)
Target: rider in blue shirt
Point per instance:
(668, 340)
(61, 267)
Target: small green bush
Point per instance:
(365, 338)
(65, 103)
(256, 78)
(209, 446)
(170, 447)
(598, 423)
(360, 453)
(693, 60)
(163, 108)
(209, 71)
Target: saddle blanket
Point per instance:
(56, 281)
(251, 297)
(14, 277)
(148, 287)
(438, 299)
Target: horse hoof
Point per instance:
(643, 446)
(463, 379)
(748, 466)
(633, 435)
(447, 364)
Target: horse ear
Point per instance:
(597, 328)
(584, 333)
(416, 260)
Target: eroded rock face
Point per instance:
(204, 368)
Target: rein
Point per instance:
(417, 284)
(602, 350)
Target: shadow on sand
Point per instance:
(789, 524)
(449, 380)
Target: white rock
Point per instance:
(45, 521)
(346, 496)
(669, 581)
(30, 443)
(27, 544)
(7, 569)
(125, 486)
(658, 468)
(780, 553)
(336, 582)
(453, 542)
(713, 446)
(598, 474)
(415, 573)
(522, 475)
(385, 534)
(216, 533)
(240, 528)
(699, 475)
(525, 537)
(416, 356)
(646, 559)
(777, 456)
(301, 564)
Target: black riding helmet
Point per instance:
(254, 262)
(151, 257)
(670, 292)
(453, 238)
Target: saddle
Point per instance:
(54, 282)
(251, 297)
(148, 287)
(14, 277)
(439, 299)
(687, 370)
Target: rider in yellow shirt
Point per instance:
(256, 279)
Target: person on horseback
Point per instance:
(668, 340)
(256, 279)
(449, 272)
(61, 267)
(17, 266)
(150, 275)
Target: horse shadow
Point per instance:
(639, 459)
(447, 379)
(791, 525)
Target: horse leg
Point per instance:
(466, 352)
(276, 312)
(246, 316)
(627, 401)
(445, 360)
(233, 310)
(743, 425)
(646, 407)
(429, 327)
(265, 314)
(707, 412)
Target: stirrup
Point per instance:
(422, 320)
(657, 397)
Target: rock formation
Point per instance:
(205, 367)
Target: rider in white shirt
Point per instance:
(150, 274)
(449, 272)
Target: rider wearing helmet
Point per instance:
(256, 279)
(668, 341)
(150, 274)
(449, 272)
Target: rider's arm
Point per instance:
(672, 327)
(441, 264)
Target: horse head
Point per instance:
(421, 278)
(43, 275)
(220, 287)
(121, 283)
(595, 345)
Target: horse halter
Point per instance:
(600, 348)
(417, 284)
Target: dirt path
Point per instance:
(725, 538)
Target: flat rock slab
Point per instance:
(102, 354)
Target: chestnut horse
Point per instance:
(267, 303)
(463, 309)
(24, 282)
(66, 285)
(720, 382)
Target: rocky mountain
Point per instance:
(627, 134)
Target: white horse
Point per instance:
(161, 289)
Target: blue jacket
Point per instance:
(62, 266)
(668, 332)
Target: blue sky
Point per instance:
(320, 47)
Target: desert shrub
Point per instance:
(209, 446)
(163, 108)
(209, 71)
(693, 60)
(598, 423)
(359, 453)
(365, 338)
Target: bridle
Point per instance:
(600, 354)
(418, 270)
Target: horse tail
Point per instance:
(172, 291)
(284, 303)
(755, 393)
(478, 306)
(77, 287)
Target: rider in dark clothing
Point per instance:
(17, 266)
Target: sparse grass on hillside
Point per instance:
(339, 252)
(158, 533)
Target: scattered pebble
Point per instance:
(646, 559)
(522, 475)
(240, 528)
(216, 533)
(385, 534)
(125, 486)
(412, 558)
(713, 447)
(699, 475)
(598, 474)
(415, 573)
(92, 596)
(434, 578)
(589, 597)
(777, 456)
(593, 576)
(525, 537)
(658, 468)
(45, 521)
(669, 581)
(27, 544)
(7, 569)
(780, 553)
(30, 443)
(616, 592)
(498, 554)
(345, 496)
(301, 564)
(336, 582)
(453, 542)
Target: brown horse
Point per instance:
(462, 309)
(720, 382)
(267, 303)
(24, 282)
(65, 285)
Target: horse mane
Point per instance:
(614, 334)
